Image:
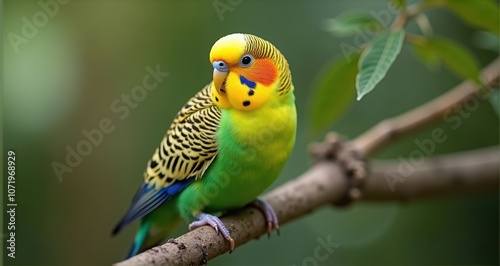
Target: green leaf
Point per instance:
(376, 60)
(333, 91)
(399, 4)
(495, 100)
(486, 40)
(452, 54)
(428, 56)
(351, 23)
(478, 13)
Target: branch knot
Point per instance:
(336, 148)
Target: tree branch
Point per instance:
(455, 174)
(391, 129)
(326, 182)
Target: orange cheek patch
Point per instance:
(263, 71)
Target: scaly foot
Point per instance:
(216, 223)
(269, 214)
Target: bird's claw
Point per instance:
(269, 214)
(216, 224)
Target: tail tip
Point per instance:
(116, 230)
(133, 251)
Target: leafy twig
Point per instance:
(396, 127)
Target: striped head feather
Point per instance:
(249, 72)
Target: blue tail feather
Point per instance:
(139, 240)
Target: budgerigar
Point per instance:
(225, 146)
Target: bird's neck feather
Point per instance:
(265, 129)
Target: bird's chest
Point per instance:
(252, 153)
(258, 140)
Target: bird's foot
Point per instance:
(269, 214)
(216, 223)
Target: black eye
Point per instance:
(246, 61)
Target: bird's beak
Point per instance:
(219, 78)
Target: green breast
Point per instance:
(253, 148)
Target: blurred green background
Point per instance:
(63, 80)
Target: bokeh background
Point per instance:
(64, 78)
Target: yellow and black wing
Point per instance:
(189, 145)
(184, 154)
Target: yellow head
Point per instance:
(249, 72)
